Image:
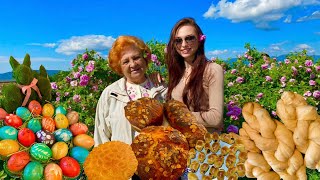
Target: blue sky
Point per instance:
(54, 32)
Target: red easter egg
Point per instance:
(13, 120)
(48, 124)
(3, 114)
(70, 167)
(26, 137)
(78, 128)
(18, 161)
(35, 107)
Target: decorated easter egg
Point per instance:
(83, 140)
(8, 132)
(23, 113)
(18, 161)
(26, 137)
(79, 153)
(3, 114)
(34, 124)
(78, 128)
(61, 121)
(61, 110)
(70, 167)
(53, 172)
(13, 120)
(45, 137)
(35, 107)
(59, 150)
(40, 152)
(48, 110)
(8, 146)
(63, 135)
(48, 124)
(33, 171)
(73, 117)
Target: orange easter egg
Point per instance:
(48, 124)
(83, 140)
(73, 117)
(53, 172)
(8, 146)
(35, 107)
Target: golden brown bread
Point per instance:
(162, 153)
(180, 118)
(144, 112)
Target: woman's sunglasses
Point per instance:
(188, 39)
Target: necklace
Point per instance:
(187, 74)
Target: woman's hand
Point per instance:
(156, 78)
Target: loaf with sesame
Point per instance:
(144, 112)
(181, 118)
(162, 153)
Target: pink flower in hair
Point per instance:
(202, 37)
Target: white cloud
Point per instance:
(217, 52)
(260, 12)
(288, 19)
(48, 45)
(317, 33)
(314, 15)
(80, 43)
(301, 47)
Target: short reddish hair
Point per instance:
(121, 44)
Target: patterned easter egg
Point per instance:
(79, 153)
(33, 171)
(23, 113)
(40, 152)
(48, 124)
(64, 135)
(8, 146)
(46, 137)
(59, 150)
(73, 117)
(61, 110)
(70, 167)
(26, 137)
(18, 161)
(48, 110)
(13, 120)
(78, 128)
(35, 107)
(83, 140)
(34, 124)
(61, 121)
(53, 172)
(8, 132)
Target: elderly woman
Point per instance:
(129, 57)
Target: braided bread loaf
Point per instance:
(304, 121)
(276, 144)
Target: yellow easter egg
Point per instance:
(59, 150)
(48, 110)
(8, 146)
(61, 121)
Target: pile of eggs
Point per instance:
(43, 142)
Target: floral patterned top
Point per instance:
(136, 91)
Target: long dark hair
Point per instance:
(193, 92)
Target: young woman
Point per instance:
(193, 79)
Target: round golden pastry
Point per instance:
(144, 112)
(111, 160)
(162, 153)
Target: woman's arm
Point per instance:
(214, 116)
